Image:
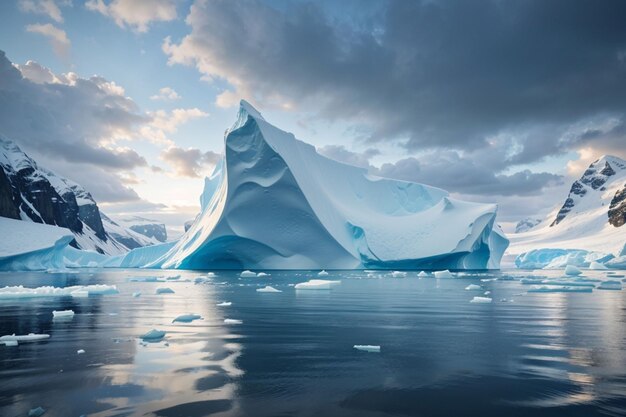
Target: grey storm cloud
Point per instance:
(434, 74)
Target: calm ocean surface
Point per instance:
(524, 354)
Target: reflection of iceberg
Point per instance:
(274, 203)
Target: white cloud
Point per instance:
(166, 93)
(135, 14)
(163, 122)
(49, 8)
(189, 162)
(57, 37)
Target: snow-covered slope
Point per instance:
(275, 203)
(592, 217)
(32, 193)
(126, 235)
(152, 229)
(526, 224)
(31, 246)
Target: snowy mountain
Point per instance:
(32, 193)
(526, 224)
(273, 202)
(126, 235)
(150, 228)
(591, 218)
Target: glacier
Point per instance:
(273, 202)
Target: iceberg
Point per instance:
(597, 266)
(317, 284)
(473, 287)
(443, 274)
(367, 348)
(481, 300)
(247, 274)
(322, 273)
(398, 274)
(423, 274)
(232, 321)
(571, 270)
(153, 335)
(164, 290)
(267, 289)
(187, 318)
(30, 337)
(80, 351)
(62, 314)
(273, 202)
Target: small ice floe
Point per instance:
(398, 274)
(473, 287)
(610, 285)
(232, 321)
(572, 271)
(13, 339)
(559, 288)
(531, 281)
(481, 300)
(80, 351)
(164, 290)
(247, 274)
(224, 304)
(487, 293)
(443, 274)
(597, 266)
(322, 273)
(423, 274)
(317, 284)
(488, 279)
(367, 348)
(47, 291)
(153, 335)
(262, 274)
(267, 289)
(36, 412)
(62, 314)
(137, 294)
(187, 318)
(211, 275)
(145, 279)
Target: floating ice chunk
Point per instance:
(164, 290)
(487, 293)
(47, 291)
(322, 273)
(367, 348)
(473, 287)
(571, 270)
(62, 313)
(398, 274)
(232, 321)
(488, 279)
(423, 274)
(597, 265)
(137, 294)
(80, 351)
(247, 274)
(30, 337)
(36, 412)
(224, 304)
(481, 300)
(187, 318)
(262, 274)
(317, 284)
(268, 289)
(211, 275)
(10, 343)
(556, 288)
(153, 335)
(610, 285)
(443, 274)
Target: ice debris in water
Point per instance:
(398, 274)
(443, 274)
(267, 289)
(62, 313)
(173, 278)
(367, 348)
(247, 274)
(423, 274)
(153, 335)
(224, 304)
(12, 339)
(187, 318)
(317, 284)
(473, 287)
(36, 412)
(597, 265)
(80, 351)
(610, 285)
(481, 300)
(322, 273)
(262, 274)
(200, 279)
(232, 321)
(136, 294)
(571, 270)
(558, 288)
(487, 293)
(47, 291)
(164, 290)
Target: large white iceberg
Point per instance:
(273, 202)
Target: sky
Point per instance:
(494, 101)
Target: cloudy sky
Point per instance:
(499, 101)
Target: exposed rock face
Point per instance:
(526, 224)
(154, 230)
(617, 209)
